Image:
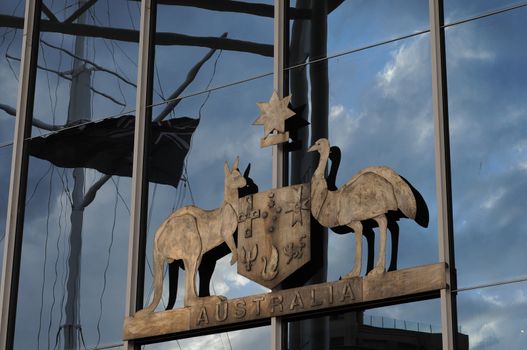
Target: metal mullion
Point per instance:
(443, 178)
(137, 238)
(18, 176)
(279, 166)
(278, 84)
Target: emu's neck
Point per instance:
(323, 161)
(319, 186)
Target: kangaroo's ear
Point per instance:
(247, 171)
(235, 164)
(226, 168)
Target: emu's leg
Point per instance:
(370, 238)
(394, 230)
(381, 260)
(356, 226)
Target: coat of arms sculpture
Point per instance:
(274, 234)
(274, 241)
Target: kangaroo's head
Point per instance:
(233, 178)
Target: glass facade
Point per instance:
(77, 230)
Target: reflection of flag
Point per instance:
(107, 146)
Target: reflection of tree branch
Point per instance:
(129, 35)
(60, 74)
(263, 10)
(90, 194)
(36, 122)
(191, 75)
(122, 104)
(79, 11)
(65, 76)
(48, 13)
(89, 62)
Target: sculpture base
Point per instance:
(302, 300)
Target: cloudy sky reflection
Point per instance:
(380, 114)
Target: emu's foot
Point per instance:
(377, 270)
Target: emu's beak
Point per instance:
(313, 148)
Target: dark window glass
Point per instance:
(414, 325)
(487, 83)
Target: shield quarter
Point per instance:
(274, 234)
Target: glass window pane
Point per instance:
(74, 258)
(5, 169)
(199, 46)
(86, 68)
(10, 46)
(487, 83)
(458, 10)
(74, 249)
(379, 114)
(252, 338)
(350, 25)
(494, 318)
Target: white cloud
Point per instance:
(493, 198)
(408, 64)
(343, 125)
(464, 45)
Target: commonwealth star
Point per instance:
(273, 115)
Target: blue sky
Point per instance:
(380, 114)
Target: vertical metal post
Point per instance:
(443, 181)
(134, 291)
(278, 150)
(18, 179)
(278, 85)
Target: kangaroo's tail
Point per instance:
(158, 280)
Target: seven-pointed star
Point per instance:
(274, 113)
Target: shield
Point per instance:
(274, 234)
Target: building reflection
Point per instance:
(358, 331)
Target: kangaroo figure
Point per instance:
(208, 262)
(190, 232)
